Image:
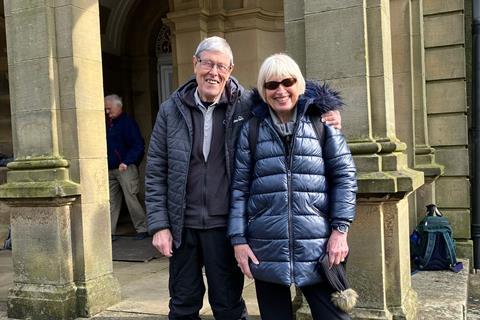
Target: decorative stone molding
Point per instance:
(38, 178)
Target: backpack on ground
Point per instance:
(432, 245)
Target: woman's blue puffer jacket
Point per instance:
(284, 209)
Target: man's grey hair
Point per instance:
(115, 99)
(215, 44)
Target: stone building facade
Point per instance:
(401, 65)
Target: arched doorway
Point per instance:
(137, 63)
(136, 54)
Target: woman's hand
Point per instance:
(242, 254)
(337, 248)
(333, 118)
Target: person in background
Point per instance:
(293, 193)
(125, 150)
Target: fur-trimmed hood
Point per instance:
(318, 98)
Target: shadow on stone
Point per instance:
(131, 250)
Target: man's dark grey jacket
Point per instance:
(181, 189)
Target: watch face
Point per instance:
(343, 228)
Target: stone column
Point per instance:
(353, 53)
(57, 186)
(410, 98)
(239, 24)
(4, 211)
(424, 158)
(445, 75)
(189, 27)
(401, 25)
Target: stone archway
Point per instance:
(129, 57)
(129, 34)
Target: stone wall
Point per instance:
(5, 118)
(4, 210)
(445, 72)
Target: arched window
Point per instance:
(163, 46)
(163, 51)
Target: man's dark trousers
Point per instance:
(211, 249)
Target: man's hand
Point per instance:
(242, 254)
(337, 248)
(333, 118)
(162, 240)
(122, 167)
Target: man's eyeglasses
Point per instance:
(209, 64)
(272, 85)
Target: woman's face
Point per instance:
(284, 97)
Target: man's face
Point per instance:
(112, 110)
(211, 79)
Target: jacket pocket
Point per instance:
(257, 214)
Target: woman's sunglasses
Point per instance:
(272, 85)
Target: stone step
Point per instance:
(442, 294)
(473, 306)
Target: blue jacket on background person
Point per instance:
(124, 142)
(285, 207)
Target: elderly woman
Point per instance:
(293, 192)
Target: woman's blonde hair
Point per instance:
(279, 65)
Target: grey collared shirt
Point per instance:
(207, 122)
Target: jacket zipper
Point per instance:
(289, 187)
(190, 135)
(252, 218)
(290, 222)
(288, 160)
(228, 117)
(204, 211)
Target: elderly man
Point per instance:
(125, 149)
(189, 165)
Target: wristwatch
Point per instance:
(342, 228)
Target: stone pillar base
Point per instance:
(408, 309)
(42, 302)
(304, 312)
(371, 314)
(97, 295)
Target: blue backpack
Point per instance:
(432, 245)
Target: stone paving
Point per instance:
(144, 291)
(473, 309)
(441, 295)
